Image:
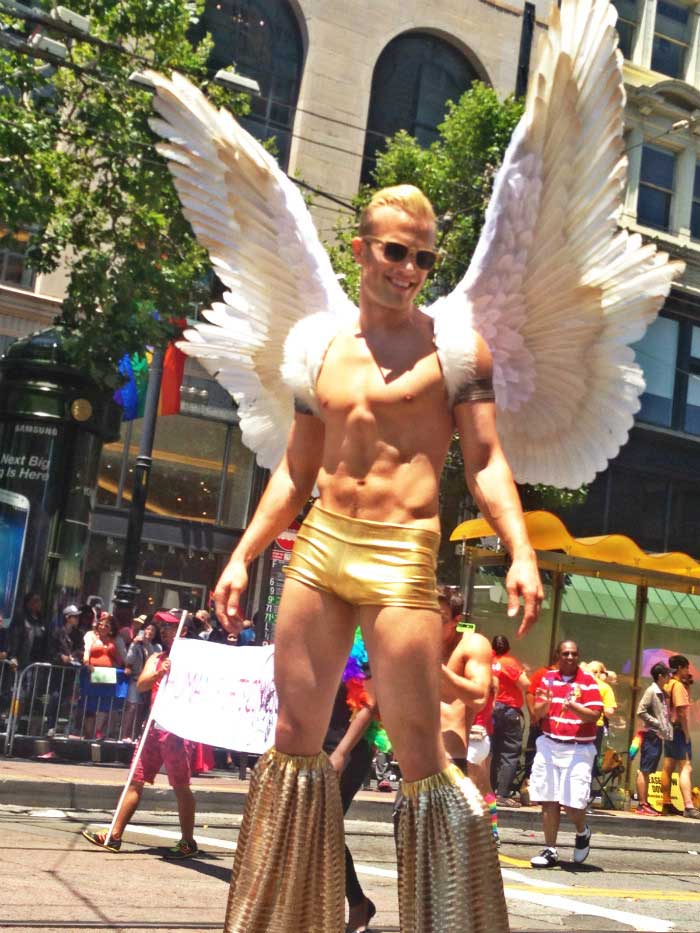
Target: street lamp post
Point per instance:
(127, 590)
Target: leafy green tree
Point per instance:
(80, 172)
(456, 173)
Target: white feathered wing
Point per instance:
(265, 249)
(554, 287)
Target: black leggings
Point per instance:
(351, 780)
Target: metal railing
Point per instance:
(60, 711)
(8, 682)
(63, 705)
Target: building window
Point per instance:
(695, 208)
(691, 413)
(261, 38)
(13, 265)
(413, 79)
(669, 354)
(671, 32)
(656, 353)
(201, 471)
(656, 187)
(627, 19)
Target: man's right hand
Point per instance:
(227, 595)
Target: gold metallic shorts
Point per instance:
(366, 563)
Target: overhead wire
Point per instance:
(87, 138)
(43, 19)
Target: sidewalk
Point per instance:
(87, 786)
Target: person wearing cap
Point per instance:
(64, 648)
(160, 749)
(654, 711)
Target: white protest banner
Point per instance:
(219, 695)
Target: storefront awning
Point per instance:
(549, 533)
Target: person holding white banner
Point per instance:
(159, 748)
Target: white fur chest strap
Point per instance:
(455, 342)
(304, 351)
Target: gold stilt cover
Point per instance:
(449, 877)
(289, 868)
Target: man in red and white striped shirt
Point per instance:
(567, 705)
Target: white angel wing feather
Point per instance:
(264, 247)
(557, 291)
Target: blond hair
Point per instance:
(405, 198)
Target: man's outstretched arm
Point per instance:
(490, 482)
(287, 491)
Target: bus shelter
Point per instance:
(623, 606)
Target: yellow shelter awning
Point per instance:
(549, 533)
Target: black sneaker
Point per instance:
(582, 846)
(547, 858)
(668, 809)
(692, 813)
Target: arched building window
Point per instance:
(262, 39)
(413, 79)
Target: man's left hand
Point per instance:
(523, 579)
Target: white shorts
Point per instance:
(561, 773)
(478, 749)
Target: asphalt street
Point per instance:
(53, 879)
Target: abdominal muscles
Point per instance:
(388, 473)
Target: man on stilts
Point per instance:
(364, 405)
(374, 435)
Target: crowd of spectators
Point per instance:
(96, 641)
(108, 652)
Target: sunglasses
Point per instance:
(425, 259)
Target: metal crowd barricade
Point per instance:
(61, 706)
(8, 682)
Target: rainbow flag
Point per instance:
(132, 395)
(173, 372)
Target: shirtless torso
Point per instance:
(465, 685)
(387, 424)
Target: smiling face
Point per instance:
(392, 285)
(568, 658)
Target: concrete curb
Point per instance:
(87, 795)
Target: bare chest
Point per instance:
(353, 377)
